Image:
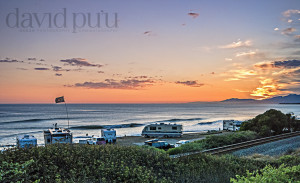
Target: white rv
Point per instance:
(162, 130)
(231, 125)
(26, 141)
(109, 135)
(57, 135)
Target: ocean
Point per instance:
(127, 119)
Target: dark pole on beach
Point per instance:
(67, 115)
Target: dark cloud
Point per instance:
(42, 60)
(190, 83)
(194, 15)
(149, 33)
(41, 69)
(7, 60)
(57, 74)
(138, 77)
(279, 64)
(80, 62)
(32, 59)
(100, 72)
(114, 84)
(287, 64)
(58, 68)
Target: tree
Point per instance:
(268, 123)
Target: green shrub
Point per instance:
(271, 122)
(213, 141)
(271, 174)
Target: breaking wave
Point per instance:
(178, 120)
(32, 120)
(209, 123)
(130, 125)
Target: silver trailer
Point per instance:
(162, 130)
(58, 135)
(26, 141)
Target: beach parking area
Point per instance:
(139, 140)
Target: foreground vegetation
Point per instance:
(271, 174)
(83, 163)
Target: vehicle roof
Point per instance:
(59, 131)
(26, 137)
(161, 124)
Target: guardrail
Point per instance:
(242, 145)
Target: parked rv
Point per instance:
(179, 143)
(109, 135)
(162, 130)
(231, 125)
(96, 141)
(26, 141)
(58, 135)
(159, 144)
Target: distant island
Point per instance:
(289, 99)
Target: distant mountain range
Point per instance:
(292, 98)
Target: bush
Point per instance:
(269, 123)
(271, 174)
(233, 138)
(213, 141)
(84, 163)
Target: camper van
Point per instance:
(162, 130)
(109, 135)
(231, 125)
(26, 141)
(57, 135)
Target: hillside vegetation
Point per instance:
(83, 163)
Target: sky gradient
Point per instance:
(148, 51)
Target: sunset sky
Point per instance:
(138, 51)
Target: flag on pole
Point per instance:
(59, 99)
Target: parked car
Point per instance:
(179, 143)
(159, 144)
(96, 141)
